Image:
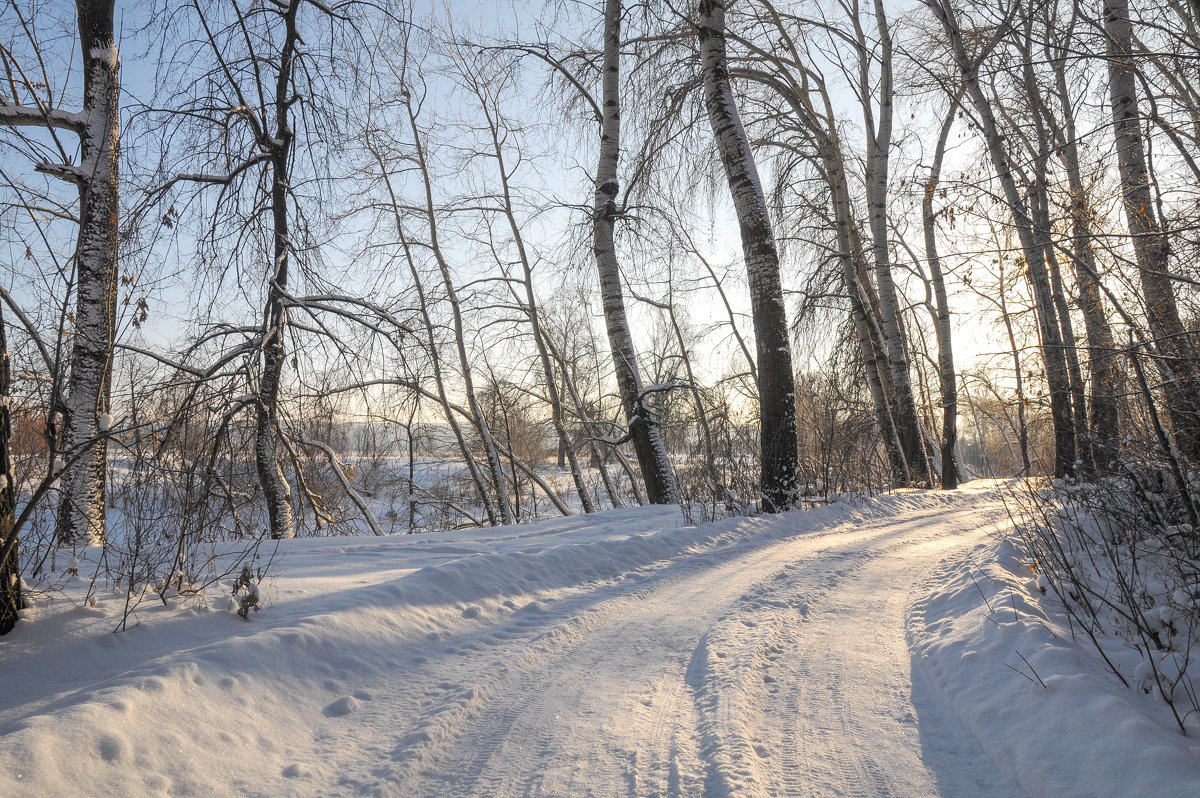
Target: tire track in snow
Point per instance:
(841, 690)
(591, 713)
(587, 691)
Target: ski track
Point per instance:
(746, 669)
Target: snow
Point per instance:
(108, 54)
(863, 648)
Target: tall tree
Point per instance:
(946, 375)
(10, 567)
(878, 123)
(776, 387)
(1104, 365)
(1176, 348)
(643, 425)
(486, 92)
(97, 125)
(1032, 248)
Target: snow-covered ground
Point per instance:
(862, 649)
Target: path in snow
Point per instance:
(622, 654)
(746, 669)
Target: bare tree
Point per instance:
(776, 389)
(1175, 347)
(1032, 248)
(639, 413)
(946, 375)
(10, 564)
(32, 102)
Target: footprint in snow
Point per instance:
(112, 749)
(343, 706)
(294, 770)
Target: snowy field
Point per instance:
(889, 647)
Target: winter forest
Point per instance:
(280, 269)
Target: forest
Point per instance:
(281, 268)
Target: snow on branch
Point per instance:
(29, 116)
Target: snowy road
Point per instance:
(778, 669)
(625, 654)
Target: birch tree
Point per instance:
(878, 124)
(486, 90)
(776, 389)
(1032, 249)
(1106, 380)
(94, 169)
(10, 564)
(643, 431)
(946, 375)
(1176, 350)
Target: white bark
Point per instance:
(776, 390)
(643, 427)
(81, 514)
(879, 144)
(1178, 360)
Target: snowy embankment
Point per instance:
(825, 652)
(1043, 704)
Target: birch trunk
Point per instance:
(10, 563)
(1177, 356)
(81, 512)
(565, 446)
(643, 427)
(946, 376)
(879, 144)
(864, 303)
(1104, 366)
(776, 390)
(863, 299)
(432, 347)
(866, 326)
(1039, 198)
(492, 454)
(277, 492)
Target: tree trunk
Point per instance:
(572, 390)
(277, 492)
(1039, 198)
(946, 377)
(460, 338)
(879, 145)
(566, 450)
(1015, 351)
(81, 512)
(10, 564)
(643, 427)
(1104, 365)
(776, 390)
(431, 343)
(1051, 336)
(1176, 349)
(863, 304)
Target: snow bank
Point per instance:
(370, 653)
(194, 700)
(1041, 704)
